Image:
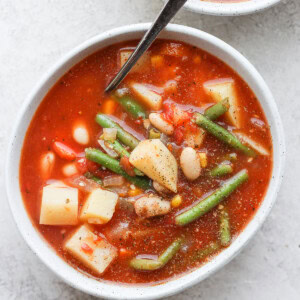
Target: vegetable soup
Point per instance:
(154, 179)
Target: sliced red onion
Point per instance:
(107, 149)
(82, 183)
(114, 180)
(121, 191)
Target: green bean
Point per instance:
(221, 170)
(225, 235)
(119, 148)
(125, 137)
(222, 134)
(145, 264)
(123, 152)
(163, 259)
(217, 110)
(132, 107)
(211, 201)
(89, 175)
(205, 251)
(112, 164)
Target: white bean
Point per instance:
(81, 135)
(69, 170)
(158, 122)
(47, 164)
(190, 163)
(150, 206)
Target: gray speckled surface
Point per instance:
(35, 34)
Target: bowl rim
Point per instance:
(229, 9)
(116, 291)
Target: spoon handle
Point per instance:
(167, 13)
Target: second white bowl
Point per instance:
(229, 9)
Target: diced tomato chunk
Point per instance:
(81, 164)
(181, 117)
(127, 166)
(64, 151)
(168, 111)
(178, 135)
(86, 248)
(125, 252)
(139, 121)
(175, 115)
(96, 169)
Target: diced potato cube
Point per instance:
(253, 144)
(99, 207)
(124, 56)
(174, 49)
(154, 159)
(225, 88)
(142, 65)
(59, 205)
(157, 61)
(93, 251)
(149, 97)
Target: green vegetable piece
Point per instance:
(205, 251)
(143, 264)
(123, 152)
(163, 259)
(154, 134)
(217, 110)
(119, 148)
(167, 255)
(112, 164)
(231, 157)
(89, 175)
(132, 107)
(222, 134)
(221, 170)
(211, 201)
(125, 137)
(225, 235)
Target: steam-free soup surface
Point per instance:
(171, 83)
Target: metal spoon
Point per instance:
(167, 13)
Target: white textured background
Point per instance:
(34, 34)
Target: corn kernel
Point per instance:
(203, 159)
(134, 192)
(176, 201)
(156, 61)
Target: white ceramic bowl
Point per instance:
(44, 251)
(229, 9)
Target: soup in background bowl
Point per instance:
(162, 181)
(229, 7)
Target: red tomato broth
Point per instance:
(79, 95)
